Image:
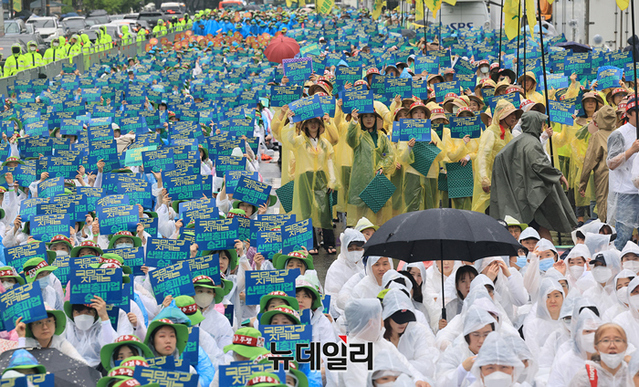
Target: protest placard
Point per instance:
(164, 252)
(262, 282)
(118, 218)
(466, 126)
(410, 128)
(286, 337)
(165, 378)
(561, 112)
(298, 234)
(22, 301)
(45, 227)
(87, 283)
(51, 187)
(252, 191)
(174, 280)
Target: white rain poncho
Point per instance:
(591, 227)
(345, 266)
(633, 367)
(496, 350)
(433, 282)
(218, 326)
(539, 325)
(621, 296)
(364, 324)
(90, 342)
(417, 341)
(536, 267)
(525, 355)
(604, 378)
(428, 306)
(577, 251)
(629, 320)
(604, 295)
(394, 280)
(450, 371)
(386, 364)
(598, 242)
(529, 232)
(621, 194)
(511, 289)
(630, 247)
(368, 286)
(567, 365)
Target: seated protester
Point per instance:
(168, 335)
(86, 249)
(124, 239)
(16, 235)
(364, 320)
(575, 267)
(188, 306)
(524, 354)
(207, 296)
(620, 287)
(265, 379)
(515, 227)
(366, 227)
(425, 304)
(633, 370)
(430, 312)
(347, 264)
(541, 323)
(508, 283)
(434, 278)
(409, 336)
(23, 363)
(629, 257)
(89, 328)
(299, 259)
(281, 315)
(541, 260)
(9, 277)
(168, 223)
(37, 269)
(123, 348)
(454, 366)
(463, 278)
(308, 297)
(496, 363)
(529, 238)
(607, 367)
(395, 280)
(389, 370)
(47, 333)
(61, 245)
(581, 348)
(629, 320)
(272, 300)
(604, 267)
(206, 165)
(371, 284)
(248, 343)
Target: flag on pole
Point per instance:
(531, 13)
(377, 8)
(325, 6)
(419, 10)
(623, 4)
(511, 18)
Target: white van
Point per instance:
(465, 14)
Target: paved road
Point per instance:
(271, 173)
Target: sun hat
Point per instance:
(291, 301)
(86, 244)
(289, 312)
(181, 332)
(107, 351)
(280, 260)
(247, 342)
(35, 266)
(188, 306)
(137, 242)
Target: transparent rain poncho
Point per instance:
(496, 350)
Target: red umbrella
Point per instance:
(281, 47)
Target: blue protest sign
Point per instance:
(174, 280)
(228, 163)
(164, 252)
(190, 353)
(283, 95)
(146, 375)
(466, 126)
(608, 77)
(398, 86)
(362, 100)
(64, 268)
(345, 74)
(118, 218)
(74, 205)
(443, 88)
(286, 337)
(45, 227)
(238, 373)
(216, 234)
(252, 191)
(134, 156)
(208, 265)
(232, 177)
(51, 187)
(269, 242)
(15, 382)
(298, 70)
(262, 282)
(466, 81)
(42, 380)
(112, 201)
(183, 185)
(89, 282)
(132, 256)
(426, 64)
(443, 56)
(326, 303)
(70, 127)
(296, 235)
(561, 112)
(65, 167)
(410, 128)
(463, 66)
(37, 128)
(22, 301)
(268, 222)
(512, 98)
(306, 108)
(16, 256)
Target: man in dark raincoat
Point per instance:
(525, 184)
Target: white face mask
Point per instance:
(124, 245)
(634, 300)
(576, 271)
(7, 285)
(588, 342)
(354, 256)
(204, 299)
(633, 266)
(83, 322)
(601, 274)
(612, 360)
(61, 253)
(44, 282)
(498, 379)
(622, 295)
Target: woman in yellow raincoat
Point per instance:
(461, 150)
(397, 178)
(577, 136)
(372, 152)
(494, 138)
(314, 178)
(531, 87)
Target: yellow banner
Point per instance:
(623, 4)
(17, 5)
(419, 10)
(531, 13)
(377, 8)
(325, 6)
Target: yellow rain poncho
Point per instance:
(314, 175)
(368, 158)
(532, 95)
(343, 160)
(490, 143)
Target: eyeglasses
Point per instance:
(41, 323)
(608, 342)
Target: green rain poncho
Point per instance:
(126, 36)
(86, 44)
(525, 184)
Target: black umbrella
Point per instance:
(441, 234)
(68, 372)
(574, 46)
